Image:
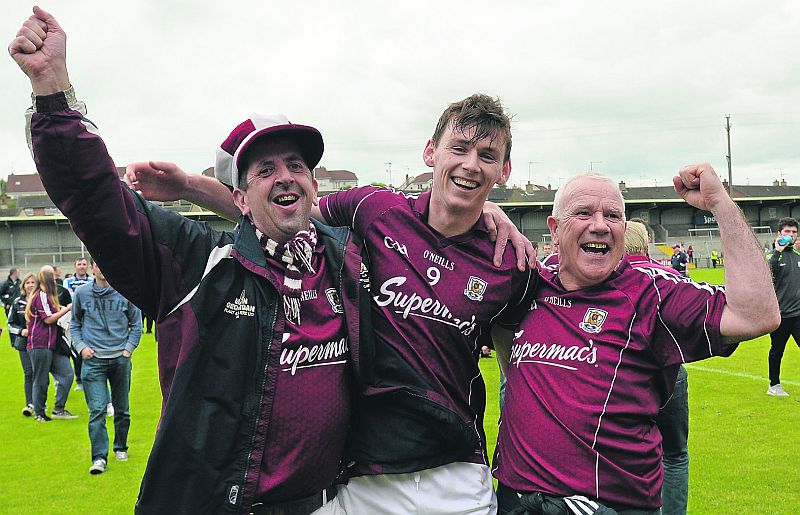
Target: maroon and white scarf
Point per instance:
(296, 254)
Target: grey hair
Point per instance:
(559, 198)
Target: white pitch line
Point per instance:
(738, 374)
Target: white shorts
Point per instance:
(329, 508)
(456, 488)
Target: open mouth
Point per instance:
(596, 248)
(286, 199)
(464, 183)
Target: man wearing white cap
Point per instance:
(255, 333)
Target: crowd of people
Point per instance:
(323, 356)
(82, 317)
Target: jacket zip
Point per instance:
(260, 398)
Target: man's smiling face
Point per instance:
(280, 189)
(465, 169)
(589, 229)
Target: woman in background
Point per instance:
(18, 330)
(41, 314)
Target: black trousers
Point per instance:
(147, 323)
(778, 338)
(508, 500)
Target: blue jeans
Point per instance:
(673, 422)
(45, 362)
(95, 372)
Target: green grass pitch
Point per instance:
(744, 445)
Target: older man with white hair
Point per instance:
(598, 352)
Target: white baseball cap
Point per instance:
(308, 139)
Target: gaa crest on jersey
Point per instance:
(476, 287)
(334, 300)
(593, 320)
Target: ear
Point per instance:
(427, 154)
(552, 224)
(506, 173)
(315, 199)
(240, 199)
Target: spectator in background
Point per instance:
(714, 258)
(784, 262)
(80, 278)
(550, 255)
(679, 260)
(81, 275)
(57, 272)
(147, 322)
(690, 254)
(673, 418)
(10, 289)
(18, 333)
(41, 314)
(106, 328)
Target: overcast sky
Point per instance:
(635, 88)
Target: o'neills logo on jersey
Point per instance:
(558, 301)
(308, 295)
(439, 260)
(239, 307)
(476, 287)
(552, 354)
(593, 320)
(334, 300)
(314, 356)
(423, 307)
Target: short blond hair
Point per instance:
(636, 239)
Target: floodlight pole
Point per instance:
(390, 172)
(730, 175)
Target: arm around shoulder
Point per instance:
(165, 181)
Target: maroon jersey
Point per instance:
(41, 335)
(434, 299)
(313, 387)
(588, 372)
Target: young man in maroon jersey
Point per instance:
(598, 352)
